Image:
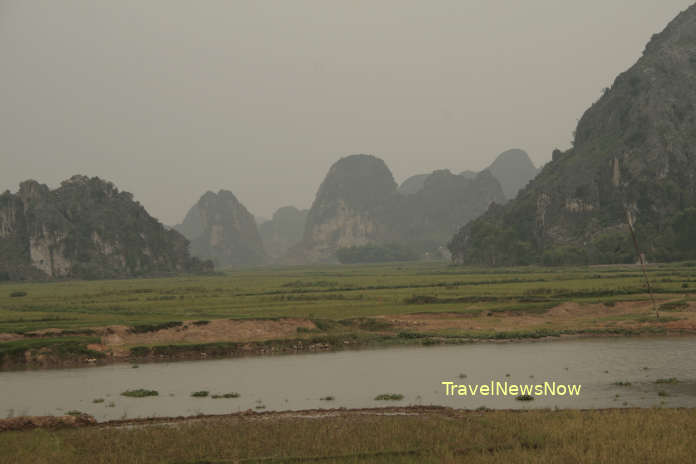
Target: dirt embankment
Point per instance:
(630, 315)
(229, 338)
(207, 332)
(85, 420)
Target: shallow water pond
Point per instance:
(613, 372)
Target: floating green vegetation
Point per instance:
(622, 384)
(140, 393)
(327, 398)
(525, 398)
(389, 397)
(226, 396)
(98, 400)
(200, 394)
(671, 380)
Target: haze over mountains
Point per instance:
(221, 229)
(283, 231)
(634, 156)
(358, 203)
(512, 168)
(87, 228)
(633, 159)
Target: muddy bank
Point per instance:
(84, 420)
(46, 422)
(45, 359)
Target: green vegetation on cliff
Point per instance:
(634, 154)
(86, 228)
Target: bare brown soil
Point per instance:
(119, 338)
(568, 315)
(117, 341)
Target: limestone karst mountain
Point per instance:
(221, 229)
(86, 228)
(358, 204)
(413, 184)
(283, 231)
(512, 168)
(348, 208)
(634, 155)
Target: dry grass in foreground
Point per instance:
(417, 435)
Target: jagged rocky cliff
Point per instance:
(221, 229)
(358, 204)
(85, 228)
(283, 231)
(634, 155)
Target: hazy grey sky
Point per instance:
(168, 99)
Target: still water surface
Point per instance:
(354, 378)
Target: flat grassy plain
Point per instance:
(334, 306)
(424, 435)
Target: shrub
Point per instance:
(144, 328)
(411, 335)
(139, 351)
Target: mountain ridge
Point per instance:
(221, 229)
(632, 156)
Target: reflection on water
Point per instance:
(353, 378)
